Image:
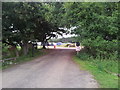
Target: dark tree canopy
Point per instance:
(24, 22)
(96, 23)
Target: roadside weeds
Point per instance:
(105, 80)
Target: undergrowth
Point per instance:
(105, 71)
(23, 58)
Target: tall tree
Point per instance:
(25, 22)
(96, 24)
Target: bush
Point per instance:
(104, 71)
(84, 56)
(7, 53)
(103, 64)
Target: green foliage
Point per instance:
(56, 13)
(98, 68)
(6, 53)
(23, 58)
(97, 26)
(27, 22)
(83, 56)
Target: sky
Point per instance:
(64, 35)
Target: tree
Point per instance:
(27, 22)
(96, 24)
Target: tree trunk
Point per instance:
(44, 45)
(16, 52)
(25, 48)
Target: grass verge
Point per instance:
(24, 58)
(104, 79)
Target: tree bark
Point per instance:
(24, 48)
(16, 52)
(44, 45)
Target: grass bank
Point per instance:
(23, 58)
(103, 71)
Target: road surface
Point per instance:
(55, 70)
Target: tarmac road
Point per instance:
(54, 70)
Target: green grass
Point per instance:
(24, 58)
(95, 67)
